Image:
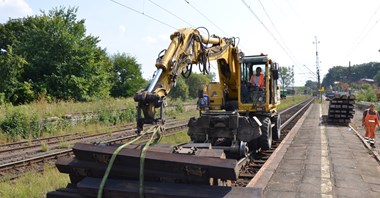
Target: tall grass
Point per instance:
(177, 138)
(41, 118)
(34, 184)
(292, 100)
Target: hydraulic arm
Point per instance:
(187, 47)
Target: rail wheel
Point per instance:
(266, 136)
(276, 130)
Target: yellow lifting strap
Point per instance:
(154, 139)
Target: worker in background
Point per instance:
(370, 121)
(257, 79)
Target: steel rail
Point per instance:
(305, 104)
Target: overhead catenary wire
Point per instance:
(360, 37)
(205, 17)
(365, 35)
(142, 13)
(279, 34)
(176, 16)
(171, 13)
(271, 34)
(304, 29)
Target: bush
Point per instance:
(2, 98)
(367, 95)
(18, 124)
(127, 115)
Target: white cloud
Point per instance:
(14, 9)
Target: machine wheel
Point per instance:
(243, 149)
(276, 131)
(266, 136)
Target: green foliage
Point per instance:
(367, 94)
(44, 119)
(58, 59)
(180, 91)
(286, 76)
(311, 84)
(295, 99)
(11, 85)
(2, 98)
(44, 146)
(176, 107)
(19, 124)
(377, 78)
(110, 116)
(64, 145)
(353, 74)
(177, 138)
(127, 78)
(34, 184)
(196, 82)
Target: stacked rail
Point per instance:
(190, 171)
(341, 109)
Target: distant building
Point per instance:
(366, 80)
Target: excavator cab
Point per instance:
(244, 121)
(254, 97)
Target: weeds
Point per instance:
(64, 145)
(36, 120)
(34, 184)
(44, 147)
(19, 124)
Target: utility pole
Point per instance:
(349, 78)
(316, 42)
(294, 92)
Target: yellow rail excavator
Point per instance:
(236, 114)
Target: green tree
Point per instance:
(11, 85)
(61, 60)
(286, 77)
(350, 75)
(180, 91)
(377, 78)
(337, 73)
(196, 82)
(127, 78)
(311, 84)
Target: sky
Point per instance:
(286, 30)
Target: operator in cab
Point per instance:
(257, 79)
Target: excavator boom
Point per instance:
(187, 47)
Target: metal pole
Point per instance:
(317, 64)
(294, 92)
(349, 78)
(154, 80)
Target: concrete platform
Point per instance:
(320, 161)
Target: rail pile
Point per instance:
(185, 171)
(341, 109)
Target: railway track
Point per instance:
(30, 156)
(251, 164)
(15, 168)
(10, 150)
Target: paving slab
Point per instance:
(322, 161)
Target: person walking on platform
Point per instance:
(370, 121)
